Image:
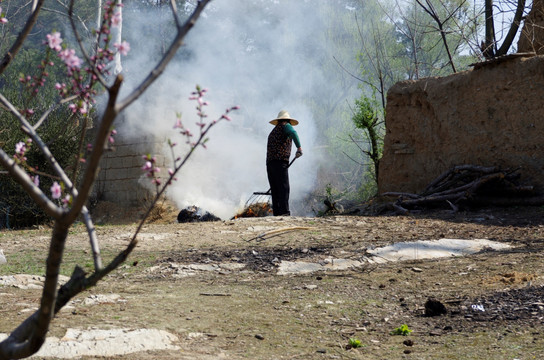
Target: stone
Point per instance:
(434, 307)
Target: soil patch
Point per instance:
(215, 287)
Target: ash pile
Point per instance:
(195, 214)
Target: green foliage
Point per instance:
(52, 17)
(367, 117)
(354, 343)
(62, 131)
(402, 330)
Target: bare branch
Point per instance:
(19, 175)
(12, 52)
(159, 69)
(98, 75)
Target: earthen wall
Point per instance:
(492, 115)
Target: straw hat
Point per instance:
(284, 115)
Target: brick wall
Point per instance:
(121, 179)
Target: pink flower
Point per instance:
(111, 139)
(56, 190)
(20, 148)
(123, 47)
(70, 58)
(3, 20)
(84, 108)
(178, 124)
(54, 40)
(36, 180)
(147, 166)
(66, 200)
(116, 19)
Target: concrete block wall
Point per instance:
(121, 179)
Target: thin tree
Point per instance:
(27, 338)
(490, 47)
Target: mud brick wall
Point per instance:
(491, 115)
(121, 179)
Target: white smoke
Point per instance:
(264, 56)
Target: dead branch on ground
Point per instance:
(468, 184)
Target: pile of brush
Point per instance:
(260, 209)
(470, 185)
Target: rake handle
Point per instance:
(270, 190)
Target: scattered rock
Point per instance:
(259, 336)
(97, 299)
(105, 343)
(24, 281)
(2, 257)
(408, 342)
(434, 307)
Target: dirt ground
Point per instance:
(216, 287)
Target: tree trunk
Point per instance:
(532, 34)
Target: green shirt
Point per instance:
(292, 133)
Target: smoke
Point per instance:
(264, 56)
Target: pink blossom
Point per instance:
(70, 58)
(20, 148)
(83, 108)
(116, 19)
(147, 166)
(178, 124)
(36, 180)
(3, 20)
(123, 47)
(56, 190)
(54, 40)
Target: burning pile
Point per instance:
(260, 209)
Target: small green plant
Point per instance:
(403, 330)
(354, 343)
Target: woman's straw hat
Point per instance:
(284, 115)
